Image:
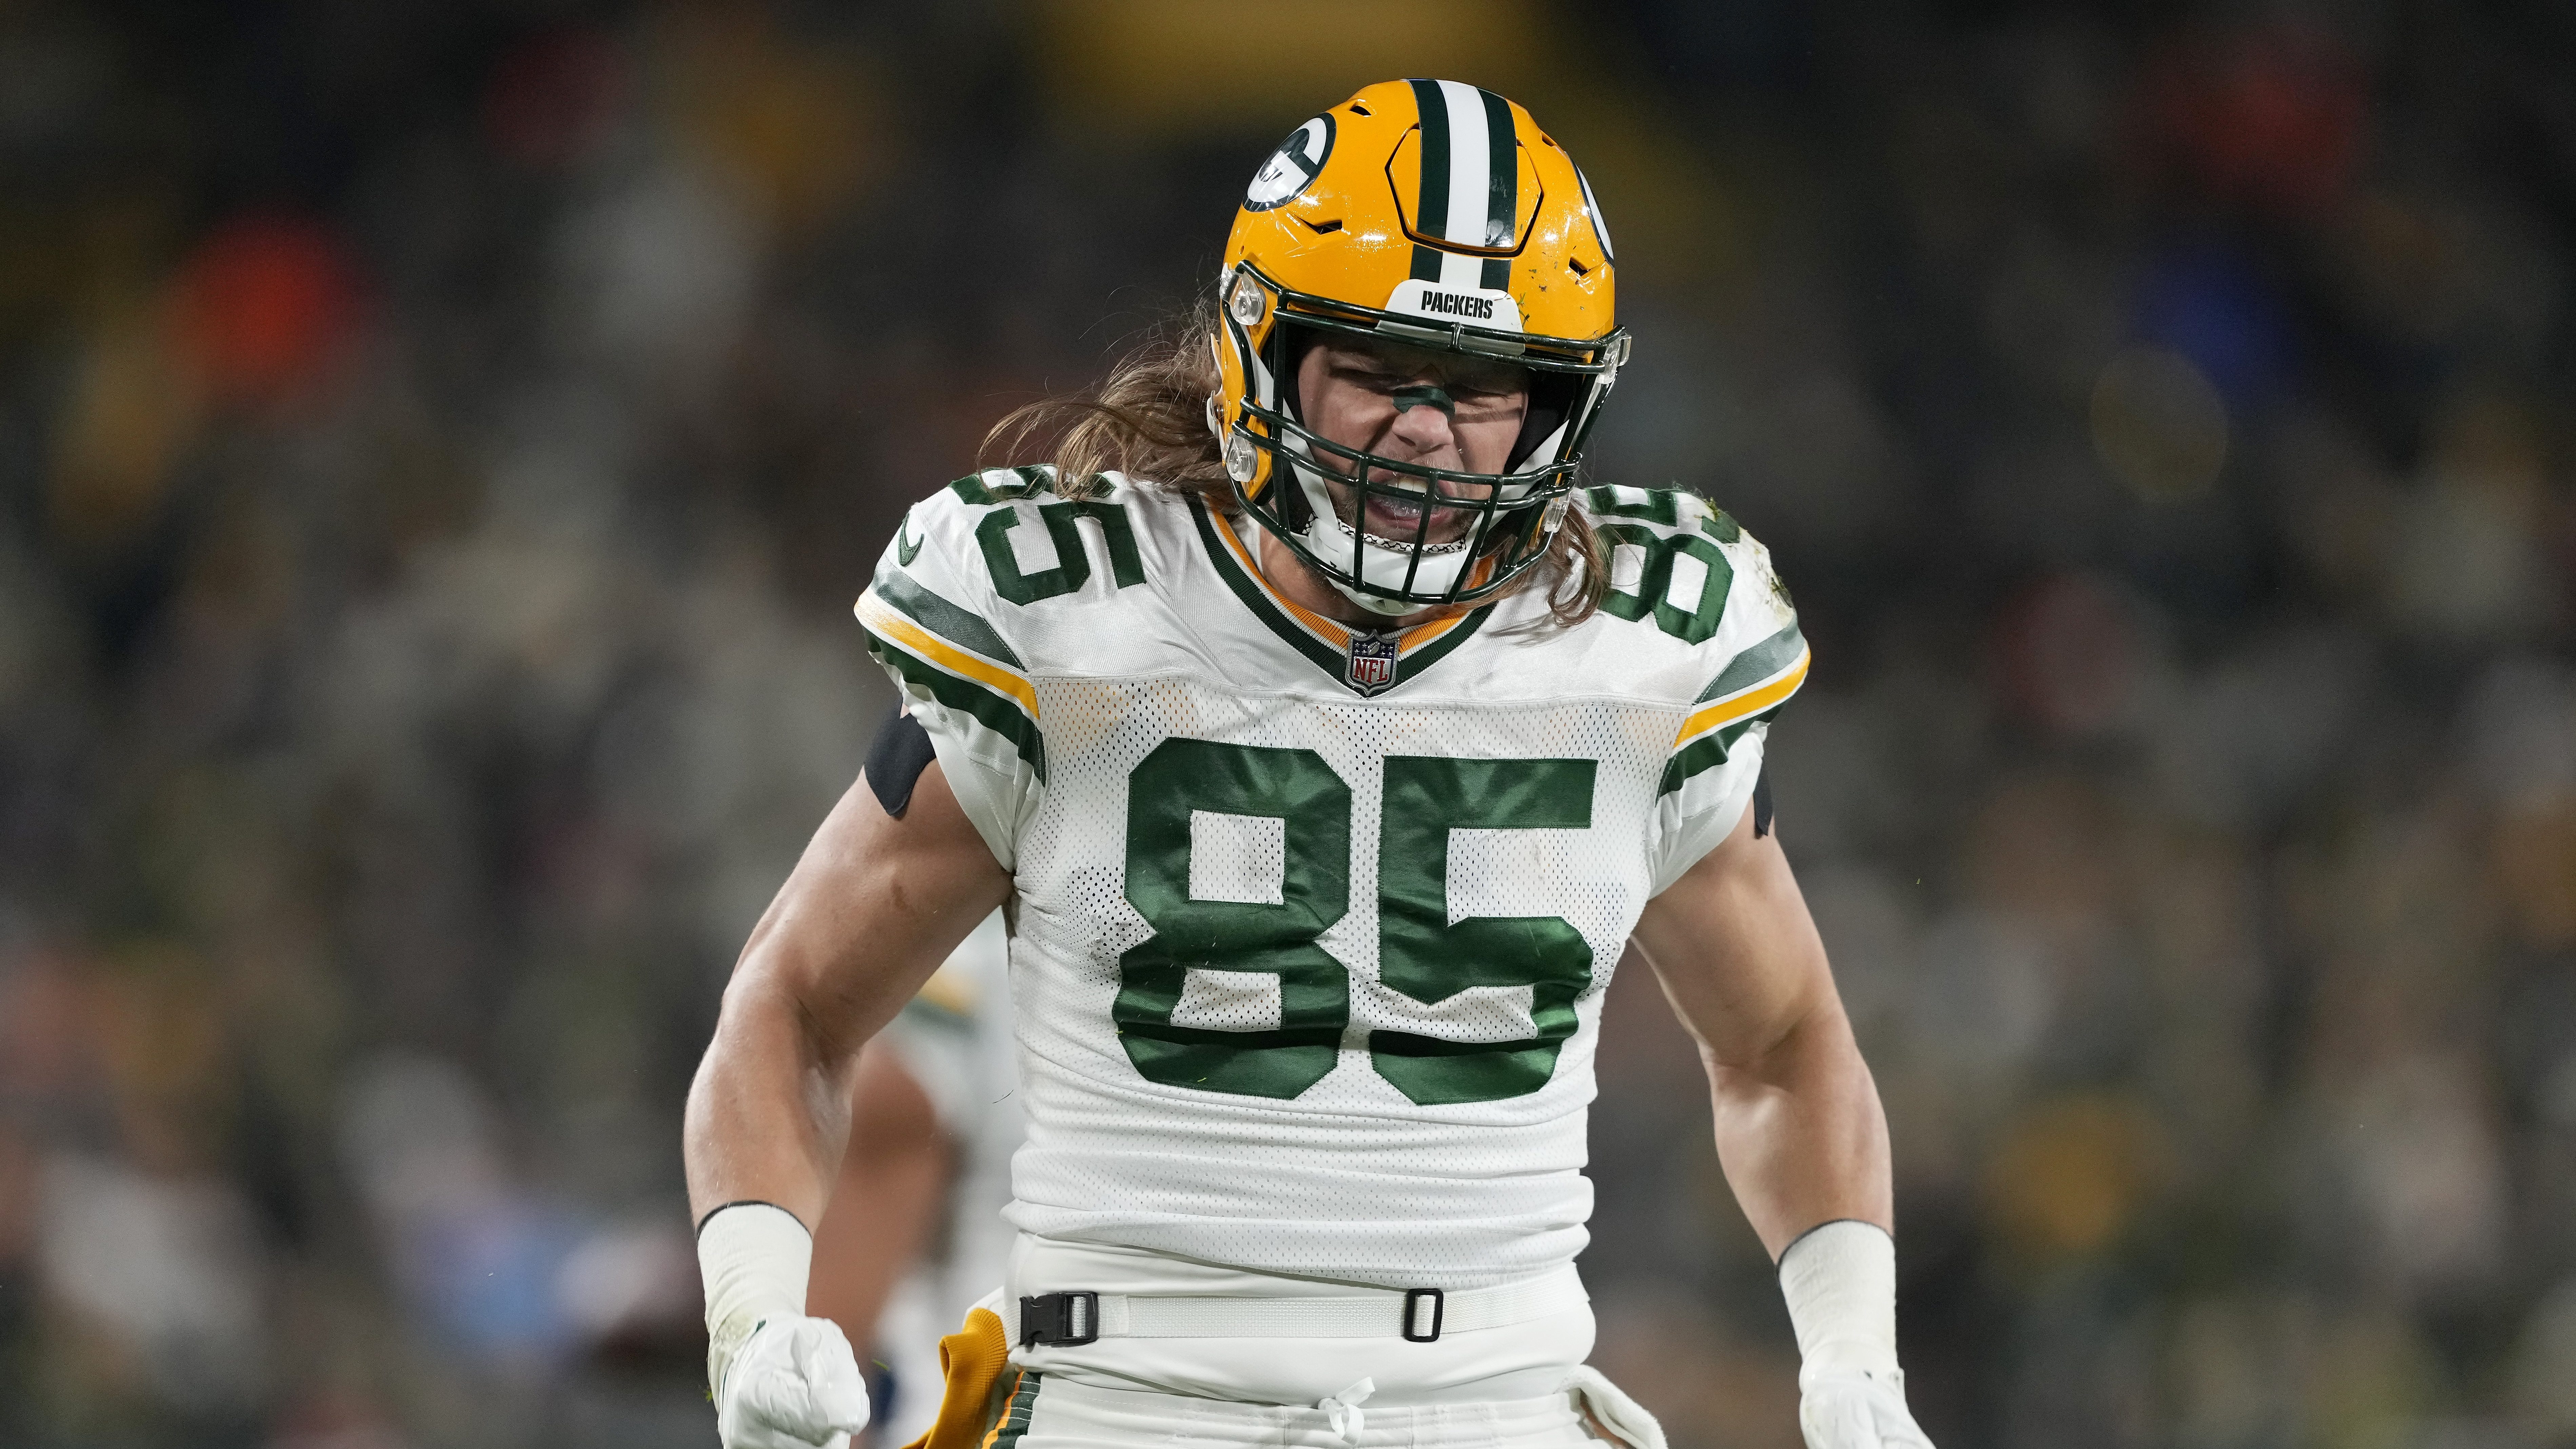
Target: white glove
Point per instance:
(781, 1380)
(1853, 1410)
(794, 1384)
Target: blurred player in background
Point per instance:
(914, 1235)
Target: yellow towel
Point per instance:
(971, 1360)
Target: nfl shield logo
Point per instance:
(1372, 662)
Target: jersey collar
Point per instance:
(1366, 662)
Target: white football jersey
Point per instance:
(1312, 924)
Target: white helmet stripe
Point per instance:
(1470, 192)
(1471, 165)
(1461, 273)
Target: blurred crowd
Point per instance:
(439, 446)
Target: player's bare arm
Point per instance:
(1799, 1128)
(872, 908)
(1800, 1131)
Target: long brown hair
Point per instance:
(1148, 419)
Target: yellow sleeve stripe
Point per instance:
(1718, 714)
(890, 624)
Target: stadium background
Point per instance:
(440, 444)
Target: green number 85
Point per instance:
(1421, 953)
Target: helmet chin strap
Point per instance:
(1371, 602)
(1388, 608)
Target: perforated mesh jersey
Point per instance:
(1308, 976)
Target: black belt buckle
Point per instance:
(1059, 1320)
(1413, 1315)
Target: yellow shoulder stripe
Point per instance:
(1751, 702)
(890, 623)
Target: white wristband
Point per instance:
(1840, 1281)
(754, 1259)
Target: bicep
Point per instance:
(1735, 950)
(872, 908)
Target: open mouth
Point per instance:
(1394, 517)
(1395, 521)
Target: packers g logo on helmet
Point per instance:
(1292, 166)
(1438, 215)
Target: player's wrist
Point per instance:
(1839, 1280)
(754, 1259)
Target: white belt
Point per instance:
(1421, 1315)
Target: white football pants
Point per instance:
(1049, 1413)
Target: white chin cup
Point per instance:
(1380, 567)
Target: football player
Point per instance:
(1323, 742)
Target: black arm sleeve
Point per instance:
(895, 762)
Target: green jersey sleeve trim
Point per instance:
(959, 626)
(1707, 752)
(1771, 657)
(997, 712)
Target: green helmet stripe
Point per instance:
(1431, 207)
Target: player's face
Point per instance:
(1412, 405)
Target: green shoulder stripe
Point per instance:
(1757, 663)
(1706, 752)
(994, 711)
(952, 622)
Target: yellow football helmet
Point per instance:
(1439, 215)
